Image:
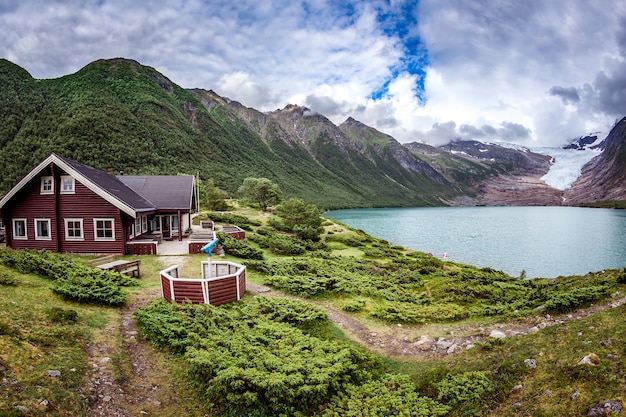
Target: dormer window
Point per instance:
(67, 184)
(47, 185)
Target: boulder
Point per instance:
(497, 334)
(592, 359)
(530, 363)
(605, 408)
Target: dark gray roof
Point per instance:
(166, 192)
(112, 185)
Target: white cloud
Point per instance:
(538, 72)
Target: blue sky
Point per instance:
(534, 72)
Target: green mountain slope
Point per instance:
(118, 115)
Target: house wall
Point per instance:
(83, 204)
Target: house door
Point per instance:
(165, 227)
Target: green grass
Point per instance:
(34, 340)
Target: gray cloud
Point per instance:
(567, 95)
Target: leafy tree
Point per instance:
(215, 198)
(261, 191)
(302, 219)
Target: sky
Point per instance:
(531, 72)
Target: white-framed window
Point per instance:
(104, 229)
(67, 184)
(19, 229)
(174, 223)
(74, 229)
(138, 226)
(42, 229)
(144, 224)
(47, 185)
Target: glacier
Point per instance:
(566, 165)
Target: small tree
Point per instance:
(215, 198)
(302, 219)
(261, 191)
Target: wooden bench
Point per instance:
(123, 267)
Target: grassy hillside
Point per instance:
(118, 115)
(415, 334)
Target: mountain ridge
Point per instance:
(116, 114)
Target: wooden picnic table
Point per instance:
(122, 266)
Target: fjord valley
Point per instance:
(337, 322)
(120, 116)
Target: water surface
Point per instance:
(542, 241)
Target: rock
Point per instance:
(575, 395)
(44, 403)
(422, 340)
(105, 360)
(611, 356)
(443, 344)
(53, 373)
(517, 388)
(533, 329)
(106, 398)
(497, 334)
(539, 308)
(22, 409)
(605, 408)
(530, 363)
(591, 359)
(452, 348)
(605, 342)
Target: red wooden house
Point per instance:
(65, 206)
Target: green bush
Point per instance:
(466, 391)
(72, 280)
(285, 245)
(258, 357)
(7, 279)
(565, 301)
(227, 218)
(398, 312)
(392, 395)
(621, 277)
(354, 306)
(238, 248)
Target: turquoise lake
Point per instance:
(542, 241)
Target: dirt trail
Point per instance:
(438, 339)
(126, 378)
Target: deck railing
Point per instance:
(221, 282)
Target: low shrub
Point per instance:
(258, 357)
(228, 218)
(565, 301)
(72, 280)
(466, 391)
(354, 306)
(285, 245)
(238, 248)
(398, 312)
(392, 395)
(7, 279)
